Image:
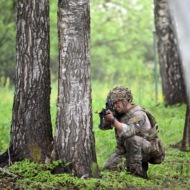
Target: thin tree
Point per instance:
(74, 137)
(31, 130)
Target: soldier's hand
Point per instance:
(109, 116)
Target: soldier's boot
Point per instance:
(145, 169)
(137, 171)
(136, 167)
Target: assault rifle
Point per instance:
(103, 112)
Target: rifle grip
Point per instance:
(101, 125)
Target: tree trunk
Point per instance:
(186, 133)
(31, 130)
(179, 12)
(74, 138)
(170, 64)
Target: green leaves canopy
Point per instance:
(121, 38)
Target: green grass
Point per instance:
(6, 97)
(173, 173)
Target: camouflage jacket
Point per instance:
(140, 125)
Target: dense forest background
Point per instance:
(121, 41)
(123, 50)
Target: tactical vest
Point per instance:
(152, 133)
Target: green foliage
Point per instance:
(53, 101)
(53, 39)
(121, 39)
(172, 174)
(7, 40)
(6, 97)
(39, 176)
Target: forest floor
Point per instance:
(10, 183)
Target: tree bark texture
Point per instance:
(31, 130)
(169, 59)
(74, 137)
(179, 11)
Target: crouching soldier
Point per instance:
(136, 134)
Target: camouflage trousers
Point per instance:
(135, 160)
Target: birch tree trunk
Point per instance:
(31, 130)
(170, 63)
(170, 52)
(179, 12)
(74, 137)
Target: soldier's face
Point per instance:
(120, 107)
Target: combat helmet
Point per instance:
(120, 93)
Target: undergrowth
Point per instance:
(31, 175)
(172, 174)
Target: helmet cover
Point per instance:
(120, 93)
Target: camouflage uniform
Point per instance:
(137, 146)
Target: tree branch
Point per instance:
(9, 173)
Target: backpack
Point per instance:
(158, 153)
(151, 118)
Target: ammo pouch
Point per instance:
(157, 152)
